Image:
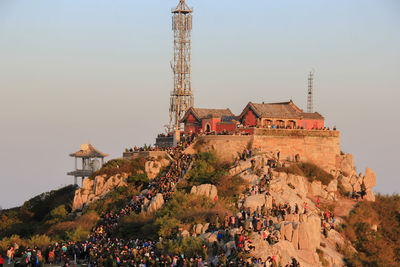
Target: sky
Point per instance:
(74, 71)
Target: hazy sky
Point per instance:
(98, 70)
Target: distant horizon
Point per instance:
(74, 71)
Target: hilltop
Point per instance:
(196, 203)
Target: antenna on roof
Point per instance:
(310, 104)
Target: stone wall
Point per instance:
(319, 147)
(145, 154)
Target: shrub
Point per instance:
(40, 241)
(9, 241)
(322, 259)
(206, 169)
(77, 234)
(376, 248)
(230, 187)
(182, 211)
(117, 166)
(138, 226)
(139, 179)
(309, 170)
(27, 219)
(189, 247)
(114, 200)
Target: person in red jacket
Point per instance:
(1, 261)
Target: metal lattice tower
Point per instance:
(310, 93)
(182, 96)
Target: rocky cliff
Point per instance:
(94, 189)
(307, 230)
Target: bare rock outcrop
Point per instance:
(93, 190)
(154, 167)
(254, 201)
(369, 180)
(346, 164)
(156, 203)
(369, 195)
(207, 190)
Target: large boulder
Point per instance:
(345, 181)
(316, 189)
(369, 195)
(98, 185)
(198, 229)
(346, 164)
(299, 183)
(77, 203)
(332, 186)
(310, 233)
(154, 167)
(87, 184)
(207, 190)
(287, 231)
(356, 187)
(369, 178)
(210, 237)
(156, 203)
(254, 201)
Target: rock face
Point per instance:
(252, 202)
(207, 190)
(346, 164)
(369, 179)
(369, 196)
(93, 190)
(310, 233)
(153, 167)
(156, 203)
(332, 187)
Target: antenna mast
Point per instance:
(181, 97)
(310, 105)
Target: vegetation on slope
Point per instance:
(379, 247)
(184, 209)
(309, 170)
(48, 216)
(181, 212)
(44, 208)
(117, 166)
(207, 169)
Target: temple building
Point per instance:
(92, 160)
(283, 115)
(279, 115)
(207, 120)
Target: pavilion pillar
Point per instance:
(75, 180)
(76, 163)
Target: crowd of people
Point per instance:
(104, 248)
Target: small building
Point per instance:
(91, 158)
(197, 120)
(279, 115)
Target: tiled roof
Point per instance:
(284, 110)
(204, 113)
(88, 151)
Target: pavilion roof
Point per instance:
(205, 113)
(88, 151)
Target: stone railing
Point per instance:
(144, 154)
(295, 132)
